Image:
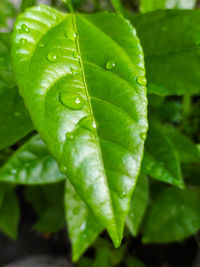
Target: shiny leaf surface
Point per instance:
(173, 216)
(171, 39)
(138, 205)
(160, 159)
(82, 79)
(31, 164)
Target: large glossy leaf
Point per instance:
(14, 119)
(82, 79)
(151, 5)
(170, 39)
(9, 215)
(174, 216)
(31, 164)
(186, 149)
(138, 205)
(160, 159)
(82, 226)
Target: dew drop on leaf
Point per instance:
(51, 57)
(76, 210)
(71, 35)
(143, 136)
(88, 123)
(25, 28)
(110, 65)
(76, 55)
(72, 101)
(63, 169)
(122, 195)
(22, 41)
(69, 135)
(141, 80)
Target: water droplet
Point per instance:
(76, 55)
(71, 35)
(141, 80)
(63, 168)
(110, 65)
(88, 123)
(73, 71)
(122, 195)
(71, 101)
(83, 226)
(143, 136)
(41, 45)
(69, 135)
(76, 210)
(17, 114)
(13, 171)
(51, 57)
(25, 28)
(22, 41)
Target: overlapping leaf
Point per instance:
(160, 159)
(31, 164)
(173, 216)
(82, 226)
(171, 43)
(14, 119)
(82, 79)
(138, 205)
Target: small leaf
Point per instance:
(185, 148)
(138, 205)
(31, 164)
(91, 114)
(171, 52)
(151, 5)
(82, 225)
(160, 159)
(173, 216)
(9, 215)
(14, 119)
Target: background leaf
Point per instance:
(14, 119)
(173, 216)
(151, 5)
(31, 164)
(138, 205)
(9, 215)
(160, 159)
(82, 225)
(96, 135)
(171, 52)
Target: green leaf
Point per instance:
(82, 79)
(6, 10)
(171, 52)
(151, 5)
(185, 148)
(173, 217)
(51, 221)
(133, 262)
(82, 225)
(14, 119)
(9, 215)
(138, 205)
(160, 159)
(31, 164)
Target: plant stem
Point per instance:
(69, 5)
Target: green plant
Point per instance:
(82, 79)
